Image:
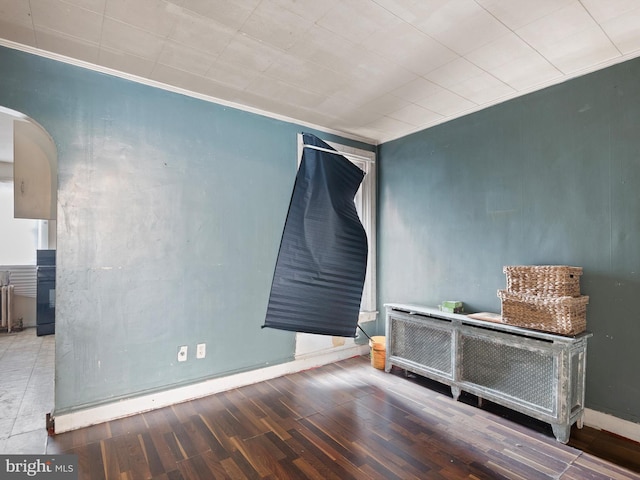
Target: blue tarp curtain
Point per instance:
(321, 265)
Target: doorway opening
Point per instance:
(28, 198)
(28, 202)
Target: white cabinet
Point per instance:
(536, 373)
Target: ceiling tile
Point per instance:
(580, 50)
(462, 26)
(415, 115)
(412, 11)
(277, 27)
(526, 71)
(518, 13)
(302, 98)
(155, 16)
(283, 92)
(15, 12)
(232, 75)
(372, 73)
(179, 78)
(184, 58)
(389, 125)
(19, 33)
(569, 38)
(446, 103)
(557, 26)
(384, 105)
(316, 117)
(382, 77)
(259, 102)
(127, 38)
(66, 45)
(93, 5)
(457, 71)
(337, 106)
(416, 90)
(247, 52)
(289, 110)
(371, 17)
(66, 18)
(359, 116)
(232, 14)
(311, 11)
(624, 31)
(410, 48)
(514, 62)
(201, 33)
(482, 89)
(224, 92)
(307, 75)
(324, 47)
(125, 62)
(605, 10)
(502, 50)
(239, 97)
(368, 87)
(365, 132)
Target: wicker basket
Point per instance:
(544, 280)
(562, 315)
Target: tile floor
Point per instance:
(26, 390)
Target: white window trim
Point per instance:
(366, 161)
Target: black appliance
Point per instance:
(46, 292)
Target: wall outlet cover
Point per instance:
(201, 350)
(182, 353)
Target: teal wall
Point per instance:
(170, 212)
(549, 178)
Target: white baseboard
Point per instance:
(124, 408)
(603, 421)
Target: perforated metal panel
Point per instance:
(524, 374)
(422, 344)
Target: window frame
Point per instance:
(366, 204)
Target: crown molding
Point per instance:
(182, 91)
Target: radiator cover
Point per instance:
(539, 374)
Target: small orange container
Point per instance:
(378, 351)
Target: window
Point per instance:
(365, 201)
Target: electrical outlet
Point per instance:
(182, 353)
(201, 350)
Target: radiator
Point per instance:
(6, 307)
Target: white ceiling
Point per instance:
(372, 69)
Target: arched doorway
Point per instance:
(35, 168)
(28, 181)
(28, 193)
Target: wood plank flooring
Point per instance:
(342, 421)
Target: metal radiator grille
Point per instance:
(520, 373)
(430, 347)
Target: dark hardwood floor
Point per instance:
(341, 421)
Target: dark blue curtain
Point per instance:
(319, 275)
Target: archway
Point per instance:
(28, 184)
(28, 180)
(35, 168)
